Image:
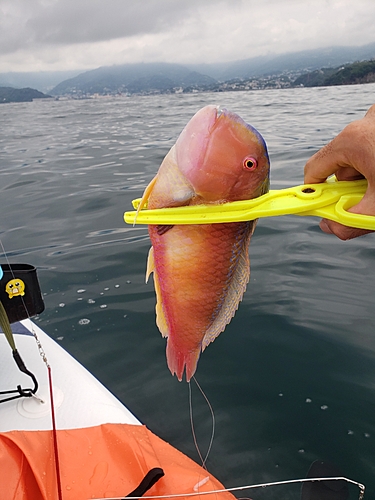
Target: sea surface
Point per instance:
(292, 378)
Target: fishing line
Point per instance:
(6, 258)
(203, 460)
(192, 426)
(203, 481)
(13, 276)
(213, 420)
(38, 343)
(52, 405)
(361, 487)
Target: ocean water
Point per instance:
(292, 378)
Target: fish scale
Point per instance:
(193, 275)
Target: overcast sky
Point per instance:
(54, 35)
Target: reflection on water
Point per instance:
(292, 379)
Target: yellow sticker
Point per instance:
(15, 288)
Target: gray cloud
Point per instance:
(79, 21)
(67, 34)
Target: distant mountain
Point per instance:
(302, 61)
(161, 77)
(314, 78)
(9, 94)
(44, 81)
(214, 70)
(133, 78)
(358, 72)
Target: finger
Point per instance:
(342, 232)
(371, 112)
(323, 163)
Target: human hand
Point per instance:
(350, 156)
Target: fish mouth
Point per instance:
(220, 111)
(224, 113)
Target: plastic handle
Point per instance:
(331, 200)
(338, 212)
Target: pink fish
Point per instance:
(201, 271)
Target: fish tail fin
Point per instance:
(180, 361)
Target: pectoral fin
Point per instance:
(150, 263)
(145, 196)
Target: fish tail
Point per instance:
(180, 360)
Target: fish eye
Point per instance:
(250, 163)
